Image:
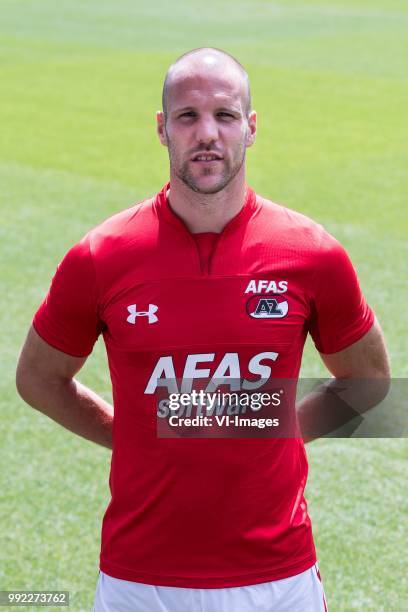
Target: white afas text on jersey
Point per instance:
(267, 286)
(228, 372)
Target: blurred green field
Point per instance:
(80, 83)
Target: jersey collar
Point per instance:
(163, 209)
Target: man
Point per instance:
(175, 285)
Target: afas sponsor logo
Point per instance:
(262, 306)
(201, 366)
(267, 286)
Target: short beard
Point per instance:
(226, 177)
(229, 173)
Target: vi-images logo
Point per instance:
(133, 313)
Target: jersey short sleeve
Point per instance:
(340, 314)
(68, 317)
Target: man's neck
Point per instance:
(206, 212)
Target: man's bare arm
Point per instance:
(361, 380)
(45, 380)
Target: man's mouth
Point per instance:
(207, 157)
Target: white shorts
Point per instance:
(300, 593)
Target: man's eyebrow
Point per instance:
(228, 109)
(185, 108)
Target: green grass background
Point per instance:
(80, 83)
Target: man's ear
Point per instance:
(251, 129)
(161, 127)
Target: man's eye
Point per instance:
(224, 114)
(188, 114)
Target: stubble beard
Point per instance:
(230, 170)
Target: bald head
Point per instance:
(207, 61)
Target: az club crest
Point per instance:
(261, 307)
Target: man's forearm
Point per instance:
(73, 406)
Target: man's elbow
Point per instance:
(30, 384)
(365, 390)
(374, 387)
(379, 378)
(23, 381)
(379, 389)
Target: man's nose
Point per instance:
(207, 130)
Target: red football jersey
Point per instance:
(203, 513)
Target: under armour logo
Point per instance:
(143, 313)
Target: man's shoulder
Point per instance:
(126, 221)
(290, 227)
(130, 228)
